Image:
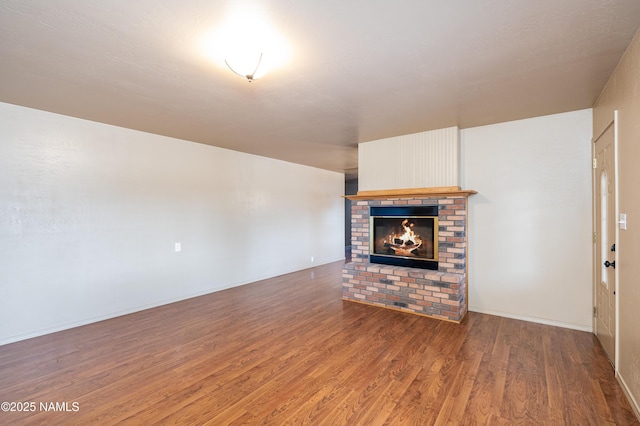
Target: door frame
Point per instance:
(596, 261)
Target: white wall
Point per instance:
(90, 214)
(419, 160)
(530, 223)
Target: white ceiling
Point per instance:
(360, 70)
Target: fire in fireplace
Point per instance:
(404, 236)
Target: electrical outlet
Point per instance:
(178, 247)
(311, 259)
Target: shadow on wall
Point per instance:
(350, 188)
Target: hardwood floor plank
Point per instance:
(288, 350)
(557, 371)
(452, 411)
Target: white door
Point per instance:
(605, 243)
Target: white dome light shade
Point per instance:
(247, 44)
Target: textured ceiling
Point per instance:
(359, 70)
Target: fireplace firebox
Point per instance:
(404, 236)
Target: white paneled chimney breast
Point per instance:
(420, 160)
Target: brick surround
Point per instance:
(440, 294)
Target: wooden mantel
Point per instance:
(440, 191)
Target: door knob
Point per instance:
(607, 263)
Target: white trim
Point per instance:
(632, 401)
(535, 320)
(594, 231)
(616, 217)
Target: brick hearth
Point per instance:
(439, 294)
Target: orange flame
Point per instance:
(406, 242)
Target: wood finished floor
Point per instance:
(288, 350)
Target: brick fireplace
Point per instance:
(441, 293)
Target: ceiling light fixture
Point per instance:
(249, 76)
(246, 42)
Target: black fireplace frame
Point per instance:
(407, 212)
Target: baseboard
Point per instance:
(154, 304)
(632, 401)
(107, 316)
(534, 319)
